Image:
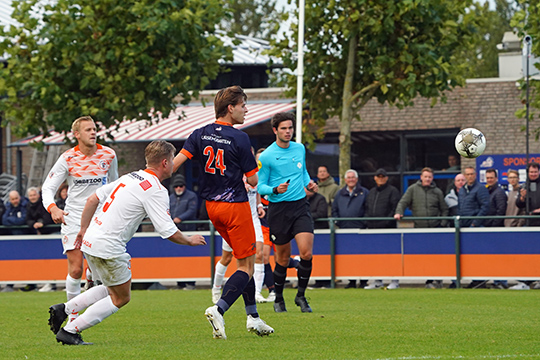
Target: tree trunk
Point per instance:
(347, 112)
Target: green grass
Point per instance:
(409, 323)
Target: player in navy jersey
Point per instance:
(283, 177)
(225, 157)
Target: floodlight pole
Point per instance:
(300, 71)
(528, 44)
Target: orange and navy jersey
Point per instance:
(225, 157)
(84, 174)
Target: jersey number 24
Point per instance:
(215, 160)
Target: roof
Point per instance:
(178, 126)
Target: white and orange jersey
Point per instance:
(84, 175)
(126, 202)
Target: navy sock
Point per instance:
(268, 277)
(304, 272)
(233, 288)
(280, 274)
(249, 299)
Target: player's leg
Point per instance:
(304, 241)
(258, 275)
(282, 255)
(73, 278)
(254, 323)
(221, 269)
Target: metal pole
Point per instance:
(457, 235)
(212, 252)
(528, 43)
(300, 71)
(332, 253)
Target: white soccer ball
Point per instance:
(470, 143)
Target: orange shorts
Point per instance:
(234, 223)
(266, 235)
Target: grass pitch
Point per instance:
(408, 323)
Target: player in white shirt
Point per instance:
(104, 234)
(86, 167)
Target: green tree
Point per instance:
(106, 58)
(255, 18)
(389, 50)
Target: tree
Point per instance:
(252, 18)
(392, 51)
(105, 58)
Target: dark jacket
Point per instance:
(35, 212)
(184, 207)
(15, 216)
(424, 201)
(534, 201)
(497, 205)
(473, 201)
(319, 209)
(382, 202)
(349, 206)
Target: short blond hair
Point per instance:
(76, 126)
(158, 150)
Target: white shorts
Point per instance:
(69, 234)
(258, 235)
(111, 272)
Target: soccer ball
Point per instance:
(470, 143)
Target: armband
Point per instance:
(274, 190)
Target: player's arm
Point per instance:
(56, 177)
(179, 160)
(89, 209)
(112, 174)
(263, 186)
(194, 240)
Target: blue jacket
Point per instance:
(473, 201)
(15, 216)
(184, 207)
(497, 205)
(345, 205)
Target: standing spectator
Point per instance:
(37, 216)
(424, 198)
(61, 196)
(381, 201)
(451, 198)
(453, 163)
(533, 190)
(512, 195)
(318, 208)
(473, 200)
(497, 199)
(327, 186)
(15, 214)
(184, 204)
(350, 202)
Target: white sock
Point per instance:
(88, 274)
(92, 316)
(86, 299)
(219, 275)
(258, 276)
(73, 287)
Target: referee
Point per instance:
(283, 177)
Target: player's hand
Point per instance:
(78, 240)
(312, 186)
(195, 240)
(536, 211)
(177, 220)
(283, 187)
(261, 212)
(398, 216)
(58, 214)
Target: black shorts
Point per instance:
(288, 218)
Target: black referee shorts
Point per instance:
(288, 218)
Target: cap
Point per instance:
(178, 180)
(381, 172)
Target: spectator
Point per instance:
(497, 199)
(473, 200)
(453, 163)
(532, 192)
(451, 198)
(183, 206)
(37, 217)
(512, 195)
(61, 196)
(424, 198)
(381, 201)
(318, 207)
(327, 186)
(349, 202)
(15, 214)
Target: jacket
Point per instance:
(424, 201)
(328, 188)
(473, 201)
(353, 205)
(512, 209)
(184, 207)
(319, 209)
(382, 202)
(15, 216)
(451, 200)
(497, 205)
(534, 201)
(35, 212)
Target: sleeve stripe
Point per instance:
(252, 172)
(50, 207)
(186, 153)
